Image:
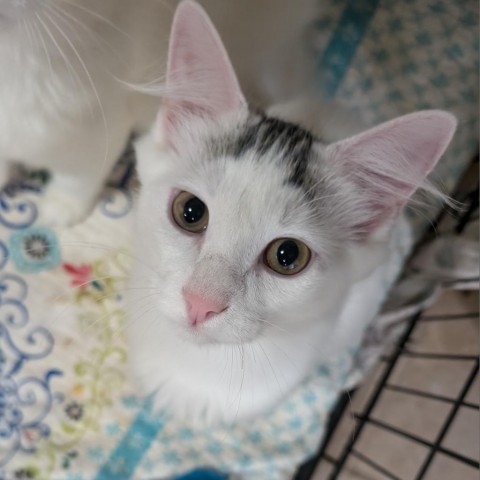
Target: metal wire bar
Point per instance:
(431, 396)
(454, 316)
(453, 412)
(417, 439)
(439, 356)
(374, 465)
(375, 396)
(328, 458)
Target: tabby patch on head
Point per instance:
(290, 142)
(255, 234)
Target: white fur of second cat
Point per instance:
(64, 65)
(215, 330)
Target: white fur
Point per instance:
(277, 328)
(64, 66)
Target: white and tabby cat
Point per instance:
(63, 68)
(263, 250)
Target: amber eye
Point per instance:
(287, 256)
(190, 213)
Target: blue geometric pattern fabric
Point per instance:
(413, 54)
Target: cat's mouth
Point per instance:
(225, 328)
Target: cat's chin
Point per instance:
(205, 334)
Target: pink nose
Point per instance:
(201, 309)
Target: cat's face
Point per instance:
(247, 223)
(237, 236)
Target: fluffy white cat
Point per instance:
(262, 249)
(64, 65)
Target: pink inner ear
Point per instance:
(200, 77)
(389, 162)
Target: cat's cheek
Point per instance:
(290, 293)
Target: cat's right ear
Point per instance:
(200, 78)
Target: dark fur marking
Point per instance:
(291, 140)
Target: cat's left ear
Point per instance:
(385, 165)
(200, 78)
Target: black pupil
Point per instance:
(287, 253)
(194, 210)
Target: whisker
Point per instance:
(126, 324)
(100, 246)
(288, 357)
(92, 84)
(44, 46)
(134, 320)
(28, 32)
(100, 17)
(73, 74)
(283, 330)
(240, 389)
(99, 40)
(271, 367)
(60, 16)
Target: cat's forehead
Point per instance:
(262, 144)
(246, 187)
(264, 171)
(272, 139)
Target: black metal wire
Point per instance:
(452, 316)
(373, 399)
(434, 447)
(371, 463)
(439, 356)
(430, 396)
(437, 445)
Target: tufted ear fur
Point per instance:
(200, 77)
(386, 164)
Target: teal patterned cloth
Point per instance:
(68, 409)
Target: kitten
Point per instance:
(65, 64)
(262, 250)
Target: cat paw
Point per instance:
(62, 210)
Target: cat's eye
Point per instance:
(189, 212)
(287, 256)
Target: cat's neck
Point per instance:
(230, 381)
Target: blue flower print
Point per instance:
(34, 249)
